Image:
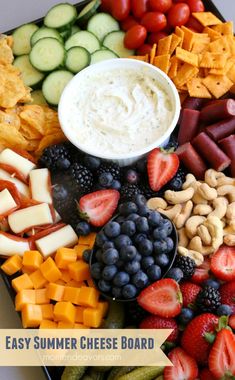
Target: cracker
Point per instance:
(164, 45)
(180, 33)
(218, 85)
(153, 53)
(183, 96)
(174, 67)
(197, 89)
(206, 18)
(187, 56)
(224, 70)
(231, 44)
(175, 42)
(213, 60)
(224, 29)
(143, 58)
(213, 34)
(185, 73)
(162, 62)
(220, 45)
(231, 73)
(199, 47)
(189, 38)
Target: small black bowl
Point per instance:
(173, 236)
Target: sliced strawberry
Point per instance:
(189, 292)
(223, 263)
(202, 272)
(231, 322)
(185, 367)
(227, 292)
(222, 355)
(162, 298)
(99, 206)
(162, 166)
(155, 322)
(206, 374)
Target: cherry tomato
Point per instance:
(153, 38)
(144, 49)
(128, 23)
(120, 9)
(139, 7)
(180, 1)
(178, 14)
(135, 37)
(193, 23)
(196, 5)
(106, 6)
(154, 21)
(160, 5)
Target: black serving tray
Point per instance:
(54, 373)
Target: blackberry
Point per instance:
(208, 300)
(186, 264)
(149, 193)
(109, 167)
(128, 191)
(177, 181)
(82, 176)
(56, 157)
(135, 313)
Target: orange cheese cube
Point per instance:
(65, 325)
(91, 283)
(64, 312)
(76, 284)
(23, 297)
(48, 324)
(22, 282)
(65, 275)
(79, 249)
(79, 314)
(92, 317)
(71, 294)
(88, 297)
(55, 291)
(32, 260)
(41, 296)
(103, 306)
(31, 315)
(47, 311)
(79, 271)
(38, 280)
(88, 240)
(12, 265)
(26, 270)
(60, 282)
(80, 326)
(64, 257)
(50, 271)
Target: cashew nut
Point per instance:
(185, 213)
(207, 192)
(225, 181)
(229, 230)
(220, 207)
(211, 177)
(198, 199)
(215, 227)
(230, 214)
(189, 180)
(228, 190)
(155, 203)
(229, 240)
(183, 238)
(172, 212)
(196, 245)
(202, 210)
(194, 255)
(192, 225)
(204, 234)
(175, 197)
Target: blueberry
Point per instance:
(139, 237)
(160, 246)
(160, 233)
(116, 185)
(213, 283)
(132, 176)
(145, 247)
(176, 274)
(138, 256)
(120, 219)
(167, 225)
(139, 200)
(121, 279)
(129, 291)
(86, 255)
(170, 244)
(128, 228)
(117, 292)
(98, 255)
(141, 165)
(112, 229)
(128, 253)
(122, 240)
(83, 228)
(186, 315)
(105, 179)
(140, 279)
(120, 264)
(154, 218)
(224, 310)
(60, 193)
(132, 267)
(132, 217)
(101, 239)
(104, 286)
(142, 224)
(110, 256)
(91, 162)
(96, 270)
(154, 272)
(147, 262)
(109, 272)
(127, 208)
(162, 260)
(108, 244)
(63, 163)
(143, 210)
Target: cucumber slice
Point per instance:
(102, 55)
(21, 37)
(115, 42)
(45, 32)
(88, 11)
(84, 39)
(60, 16)
(47, 54)
(66, 33)
(102, 24)
(54, 85)
(38, 98)
(31, 76)
(77, 59)
(75, 29)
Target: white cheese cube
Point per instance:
(21, 164)
(7, 202)
(29, 217)
(11, 246)
(22, 188)
(39, 183)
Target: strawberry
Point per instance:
(202, 272)
(194, 336)
(206, 374)
(227, 292)
(189, 292)
(155, 322)
(231, 322)
(98, 207)
(223, 263)
(222, 355)
(162, 298)
(161, 166)
(185, 367)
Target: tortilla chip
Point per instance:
(33, 145)
(174, 67)
(29, 132)
(185, 73)
(220, 45)
(153, 53)
(34, 116)
(213, 60)
(10, 118)
(164, 45)
(10, 41)
(6, 55)
(10, 137)
(218, 85)
(186, 56)
(224, 29)
(206, 18)
(197, 89)
(162, 62)
(12, 89)
(213, 34)
(176, 40)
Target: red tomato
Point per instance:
(144, 49)
(135, 37)
(154, 21)
(160, 5)
(180, 1)
(128, 23)
(139, 7)
(196, 5)
(153, 38)
(106, 6)
(120, 9)
(178, 14)
(193, 23)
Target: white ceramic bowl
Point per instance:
(121, 63)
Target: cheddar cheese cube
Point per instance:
(103, 306)
(12, 265)
(91, 283)
(24, 297)
(71, 294)
(55, 292)
(92, 317)
(45, 324)
(76, 284)
(26, 270)
(88, 297)
(65, 325)
(88, 240)
(79, 314)
(31, 315)
(60, 282)
(79, 249)
(41, 296)
(79, 271)
(32, 260)
(64, 257)
(22, 282)
(64, 312)
(80, 326)
(47, 311)
(50, 271)
(38, 280)
(65, 275)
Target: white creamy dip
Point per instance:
(120, 111)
